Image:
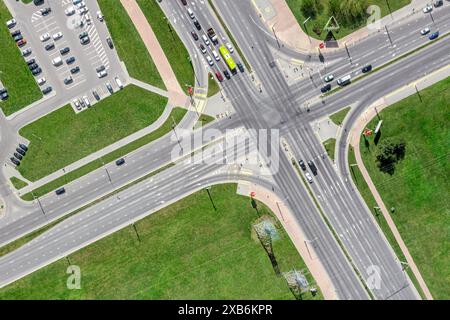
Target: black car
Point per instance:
(240, 67)
(75, 70)
(23, 147)
(367, 68)
(70, 60)
(120, 162)
(110, 43)
(20, 151)
(197, 24)
(64, 50)
(68, 80)
(194, 35)
(15, 33)
(302, 165)
(38, 2)
(47, 90)
(33, 66)
(60, 191)
(18, 38)
(3, 94)
(36, 71)
(30, 62)
(46, 11)
(326, 88)
(50, 46)
(313, 167)
(99, 69)
(15, 161)
(226, 74)
(95, 94)
(18, 156)
(184, 2)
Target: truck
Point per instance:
(212, 35)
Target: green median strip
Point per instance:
(177, 114)
(17, 183)
(241, 54)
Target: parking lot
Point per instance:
(68, 43)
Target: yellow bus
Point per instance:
(228, 59)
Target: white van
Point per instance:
(119, 83)
(57, 61)
(216, 56)
(344, 80)
(191, 13)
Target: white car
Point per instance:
(41, 81)
(86, 101)
(102, 74)
(57, 36)
(205, 38)
(45, 37)
(77, 104)
(328, 78)
(428, 8)
(308, 177)
(100, 16)
(230, 48)
(425, 31)
(80, 5)
(69, 11)
(83, 10)
(11, 23)
(210, 61)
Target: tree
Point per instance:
(390, 152)
(308, 8)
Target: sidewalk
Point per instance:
(277, 15)
(96, 155)
(176, 94)
(355, 137)
(293, 229)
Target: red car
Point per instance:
(219, 76)
(21, 42)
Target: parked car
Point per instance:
(85, 40)
(41, 81)
(83, 10)
(428, 8)
(11, 23)
(102, 74)
(15, 161)
(50, 46)
(100, 68)
(4, 94)
(75, 70)
(77, 104)
(33, 66)
(184, 2)
(69, 11)
(47, 90)
(22, 42)
(109, 87)
(23, 147)
(95, 94)
(20, 151)
(100, 16)
(438, 3)
(64, 50)
(31, 61)
(36, 71)
(45, 11)
(83, 34)
(57, 36)
(70, 60)
(18, 38)
(44, 37)
(15, 33)
(68, 80)
(110, 43)
(18, 156)
(26, 52)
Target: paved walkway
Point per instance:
(293, 229)
(176, 95)
(277, 15)
(355, 136)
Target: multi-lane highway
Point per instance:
(336, 221)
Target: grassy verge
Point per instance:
(186, 251)
(17, 183)
(63, 137)
(205, 119)
(330, 146)
(129, 45)
(14, 73)
(236, 47)
(213, 87)
(338, 117)
(177, 114)
(171, 44)
(318, 22)
(419, 189)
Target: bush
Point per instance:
(389, 153)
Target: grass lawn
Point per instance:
(330, 146)
(63, 137)
(213, 87)
(171, 44)
(14, 74)
(17, 183)
(419, 189)
(129, 45)
(187, 251)
(322, 18)
(338, 117)
(166, 127)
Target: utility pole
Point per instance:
(348, 53)
(210, 198)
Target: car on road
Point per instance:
(194, 35)
(70, 60)
(226, 74)
(367, 68)
(47, 90)
(109, 87)
(210, 61)
(120, 161)
(216, 55)
(41, 81)
(428, 8)
(20, 151)
(31, 61)
(95, 94)
(11, 23)
(425, 31)
(50, 46)
(325, 88)
(230, 48)
(240, 66)
(197, 24)
(60, 191)
(313, 167)
(18, 156)
(44, 37)
(100, 16)
(434, 35)
(302, 165)
(22, 42)
(26, 52)
(69, 11)
(308, 177)
(36, 71)
(219, 76)
(23, 147)
(202, 48)
(45, 11)
(75, 70)
(15, 161)
(110, 43)
(205, 39)
(64, 50)
(328, 78)
(57, 36)
(102, 74)
(68, 80)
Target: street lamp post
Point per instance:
(388, 34)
